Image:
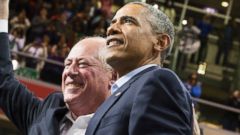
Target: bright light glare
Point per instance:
(224, 3)
(184, 22)
(15, 64)
(155, 6)
(202, 68)
(210, 10)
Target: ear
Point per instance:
(114, 77)
(163, 42)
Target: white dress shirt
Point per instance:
(3, 25)
(121, 81)
(69, 126)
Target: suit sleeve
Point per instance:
(162, 106)
(15, 100)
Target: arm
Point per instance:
(4, 9)
(162, 106)
(16, 101)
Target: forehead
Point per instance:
(87, 47)
(133, 10)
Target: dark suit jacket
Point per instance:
(153, 102)
(28, 113)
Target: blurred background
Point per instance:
(205, 53)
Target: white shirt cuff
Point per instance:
(4, 26)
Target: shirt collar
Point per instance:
(81, 122)
(122, 80)
(69, 117)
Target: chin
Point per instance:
(116, 61)
(70, 98)
(112, 57)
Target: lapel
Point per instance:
(101, 111)
(53, 119)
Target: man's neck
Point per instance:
(82, 108)
(75, 113)
(125, 68)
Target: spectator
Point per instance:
(193, 85)
(39, 24)
(225, 42)
(21, 20)
(169, 10)
(46, 48)
(106, 7)
(189, 43)
(205, 27)
(53, 69)
(53, 33)
(36, 50)
(17, 41)
(231, 120)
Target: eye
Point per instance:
(66, 65)
(128, 21)
(83, 65)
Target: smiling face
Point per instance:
(130, 40)
(85, 80)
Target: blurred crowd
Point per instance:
(48, 29)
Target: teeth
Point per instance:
(114, 42)
(74, 85)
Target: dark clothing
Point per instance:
(153, 102)
(231, 120)
(225, 44)
(31, 115)
(205, 28)
(54, 70)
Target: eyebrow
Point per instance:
(78, 59)
(135, 21)
(66, 60)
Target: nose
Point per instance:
(113, 29)
(72, 71)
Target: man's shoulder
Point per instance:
(55, 99)
(56, 95)
(162, 72)
(163, 76)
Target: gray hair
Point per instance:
(160, 23)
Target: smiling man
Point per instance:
(147, 99)
(85, 84)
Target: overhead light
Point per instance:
(224, 4)
(184, 22)
(155, 6)
(210, 10)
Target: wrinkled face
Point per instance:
(129, 38)
(84, 79)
